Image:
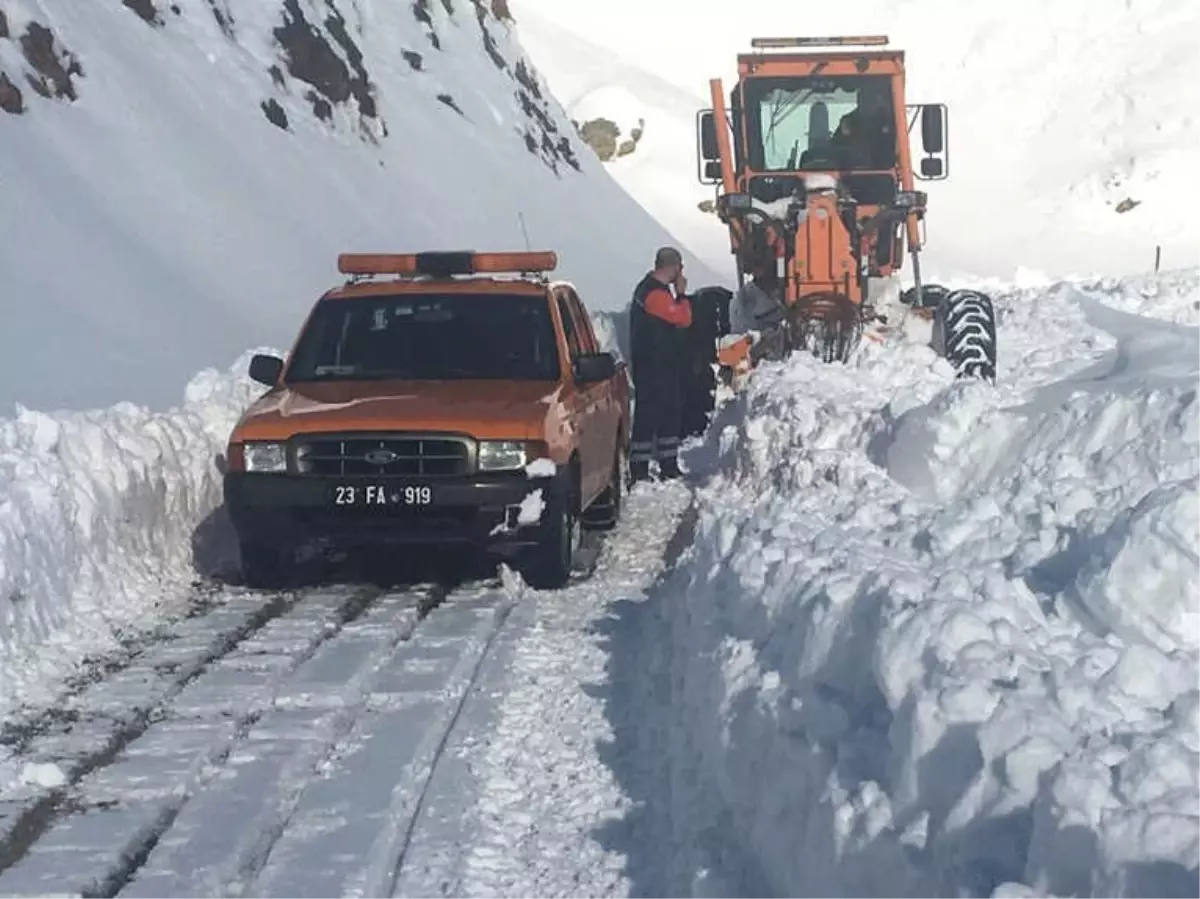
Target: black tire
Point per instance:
(548, 564)
(605, 512)
(265, 567)
(964, 332)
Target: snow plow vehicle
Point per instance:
(433, 398)
(815, 182)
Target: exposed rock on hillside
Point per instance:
(604, 137)
(321, 65)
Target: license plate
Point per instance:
(380, 496)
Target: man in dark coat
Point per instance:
(659, 317)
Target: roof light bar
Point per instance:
(778, 43)
(445, 264)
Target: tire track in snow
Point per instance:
(275, 755)
(186, 677)
(103, 716)
(523, 798)
(358, 817)
(220, 796)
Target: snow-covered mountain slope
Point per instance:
(184, 188)
(1061, 115)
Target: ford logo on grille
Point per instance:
(381, 456)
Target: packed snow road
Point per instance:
(340, 741)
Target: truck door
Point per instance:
(579, 400)
(580, 341)
(606, 413)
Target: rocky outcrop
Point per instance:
(321, 65)
(51, 70)
(146, 11)
(224, 16)
(275, 114)
(11, 100)
(331, 78)
(604, 137)
(501, 11)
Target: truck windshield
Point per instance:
(820, 123)
(428, 338)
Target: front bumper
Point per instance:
(480, 510)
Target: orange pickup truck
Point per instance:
(434, 398)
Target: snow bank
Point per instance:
(941, 638)
(102, 517)
(160, 222)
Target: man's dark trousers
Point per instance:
(657, 423)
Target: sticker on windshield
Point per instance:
(380, 323)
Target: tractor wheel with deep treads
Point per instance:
(965, 333)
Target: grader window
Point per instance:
(843, 123)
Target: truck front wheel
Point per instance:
(548, 564)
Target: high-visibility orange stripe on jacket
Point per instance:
(662, 304)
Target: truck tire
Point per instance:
(264, 567)
(548, 564)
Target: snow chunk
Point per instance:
(820, 181)
(531, 508)
(1140, 577)
(541, 468)
(45, 774)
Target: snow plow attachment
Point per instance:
(814, 175)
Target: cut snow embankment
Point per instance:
(101, 518)
(943, 637)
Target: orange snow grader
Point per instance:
(815, 177)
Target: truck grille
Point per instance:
(388, 455)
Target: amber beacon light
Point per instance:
(445, 264)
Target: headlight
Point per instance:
(266, 457)
(502, 455)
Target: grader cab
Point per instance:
(810, 154)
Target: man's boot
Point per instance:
(668, 468)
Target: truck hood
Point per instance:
(482, 409)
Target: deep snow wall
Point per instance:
(942, 638)
(177, 178)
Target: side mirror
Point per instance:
(706, 125)
(591, 368)
(933, 136)
(266, 369)
(706, 140)
(935, 166)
